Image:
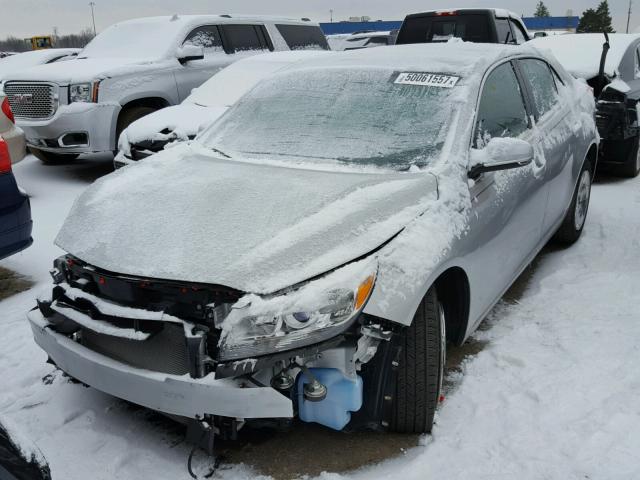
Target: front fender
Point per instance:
(399, 301)
(414, 260)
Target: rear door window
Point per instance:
(207, 37)
(240, 38)
(303, 37)
(543, 86)
(468, 27)
(502, 111)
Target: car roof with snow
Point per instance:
(580, 53)
(159, 36)
(185, 21)
(32, 58)
(467, 59)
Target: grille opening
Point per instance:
(31, 100)
(164, 352)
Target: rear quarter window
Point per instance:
(303, 37)
(542, 84)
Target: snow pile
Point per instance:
(29, 451)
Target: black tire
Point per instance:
(575, 218)
(51, 158)
(130, 115)
(420, 369)
(631, 168)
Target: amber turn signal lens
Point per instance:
(364, 290)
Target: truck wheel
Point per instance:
(51, 158)
(631, 168)
(420, 369)
(130, 115)
(574, 220)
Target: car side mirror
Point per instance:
(188, 52)
(500, 154)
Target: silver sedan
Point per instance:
(314, 250)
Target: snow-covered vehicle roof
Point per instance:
(161, 34)
(580, 53)
(24, 60)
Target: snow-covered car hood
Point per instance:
(259, 228)
(81, 70)
(182, 120)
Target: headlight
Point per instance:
(81, 92)
(312, 313)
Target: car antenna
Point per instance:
(603, 59)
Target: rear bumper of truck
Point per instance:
(174, 394)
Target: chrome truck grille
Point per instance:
(33, 101)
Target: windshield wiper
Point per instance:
(219, 152)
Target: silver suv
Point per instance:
(134, 68)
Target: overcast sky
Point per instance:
(24, 18)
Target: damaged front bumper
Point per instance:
(175, 394)
(163, 345)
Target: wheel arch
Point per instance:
(592, 155)
(154, 102)
(151, 102)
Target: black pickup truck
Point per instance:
(481, 25)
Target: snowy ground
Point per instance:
(554, 394)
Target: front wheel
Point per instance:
(420, 369)
(51, 158)
(575, 218)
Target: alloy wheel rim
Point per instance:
(582, 199)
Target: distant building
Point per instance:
(551, 25)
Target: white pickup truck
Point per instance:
(134, 68)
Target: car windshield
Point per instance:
(353, 116)
(145, 40)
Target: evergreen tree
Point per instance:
(596, 21)
(541, 10)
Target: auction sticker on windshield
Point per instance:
(427, 79)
